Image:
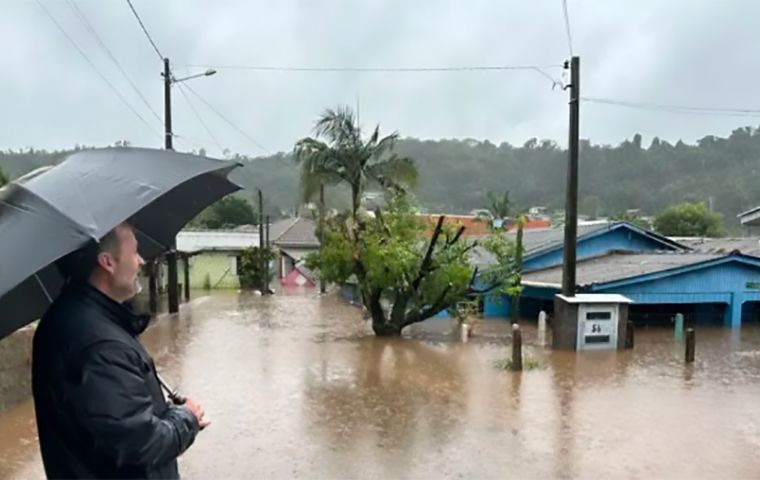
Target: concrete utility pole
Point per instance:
(571, 194)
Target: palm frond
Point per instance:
(394, 171)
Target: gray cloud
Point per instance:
(677, 52)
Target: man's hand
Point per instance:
(198, 412)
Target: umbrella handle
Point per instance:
(175, 397)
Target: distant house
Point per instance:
(299, 276)
(214, 255)
(711, 281)
(293, 239)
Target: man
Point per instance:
(99, 406)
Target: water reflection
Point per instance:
(386, 394)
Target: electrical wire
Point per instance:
(103, 77)
(145, 30)
(200, 119)
(88, 25)
(228, 121)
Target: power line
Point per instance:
(229, 122)
(540, 69)
(717, 111)
(473, 68)
(84, 55)
(142, 25)
(92, 30)
(197, 115)
(567, 28)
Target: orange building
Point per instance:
(477, 226)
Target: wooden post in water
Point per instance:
(152, 286)
(186, 267)
(690, 345)
(629, 334)
(516, 348)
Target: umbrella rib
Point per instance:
(42, 286)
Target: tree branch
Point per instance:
(428, 255)
(456, 237)
(425, 313)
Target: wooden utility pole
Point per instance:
(266, 258)
(571, 194)
(322, 286)
(171, 255)
(262, 233)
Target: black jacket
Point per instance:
(100, 410)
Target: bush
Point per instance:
(250, 269)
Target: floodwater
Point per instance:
(297, 387)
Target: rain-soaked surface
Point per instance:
(297, 387)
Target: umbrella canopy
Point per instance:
(56, 210)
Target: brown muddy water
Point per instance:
(297, 387)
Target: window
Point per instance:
(234, 265)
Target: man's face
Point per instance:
(126, 263)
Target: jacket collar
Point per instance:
(121, 314)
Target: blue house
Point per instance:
(543, 249)
(705, 287)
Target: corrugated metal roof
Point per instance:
(534, 241)
(539, 239)
(747, 245)
(617, 266)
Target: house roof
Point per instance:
(540, 241)
(533, 224)
(630, 267)
(473, 224)
(191, 241)
(750, 217)
(294, 232)
(746, 245)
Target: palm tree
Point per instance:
(344, 157)
(499, 205)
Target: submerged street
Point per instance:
(297, 386)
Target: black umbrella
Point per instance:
(56, 210)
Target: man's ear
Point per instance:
(105, 261)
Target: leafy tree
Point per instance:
(251, 271)
(633, 219)
(3, 178)
(228, 212)
(689, 220)
(404, 278)
(504, 277)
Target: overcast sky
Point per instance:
(697, 53)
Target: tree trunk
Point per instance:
(355, 201)
(380, 323)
